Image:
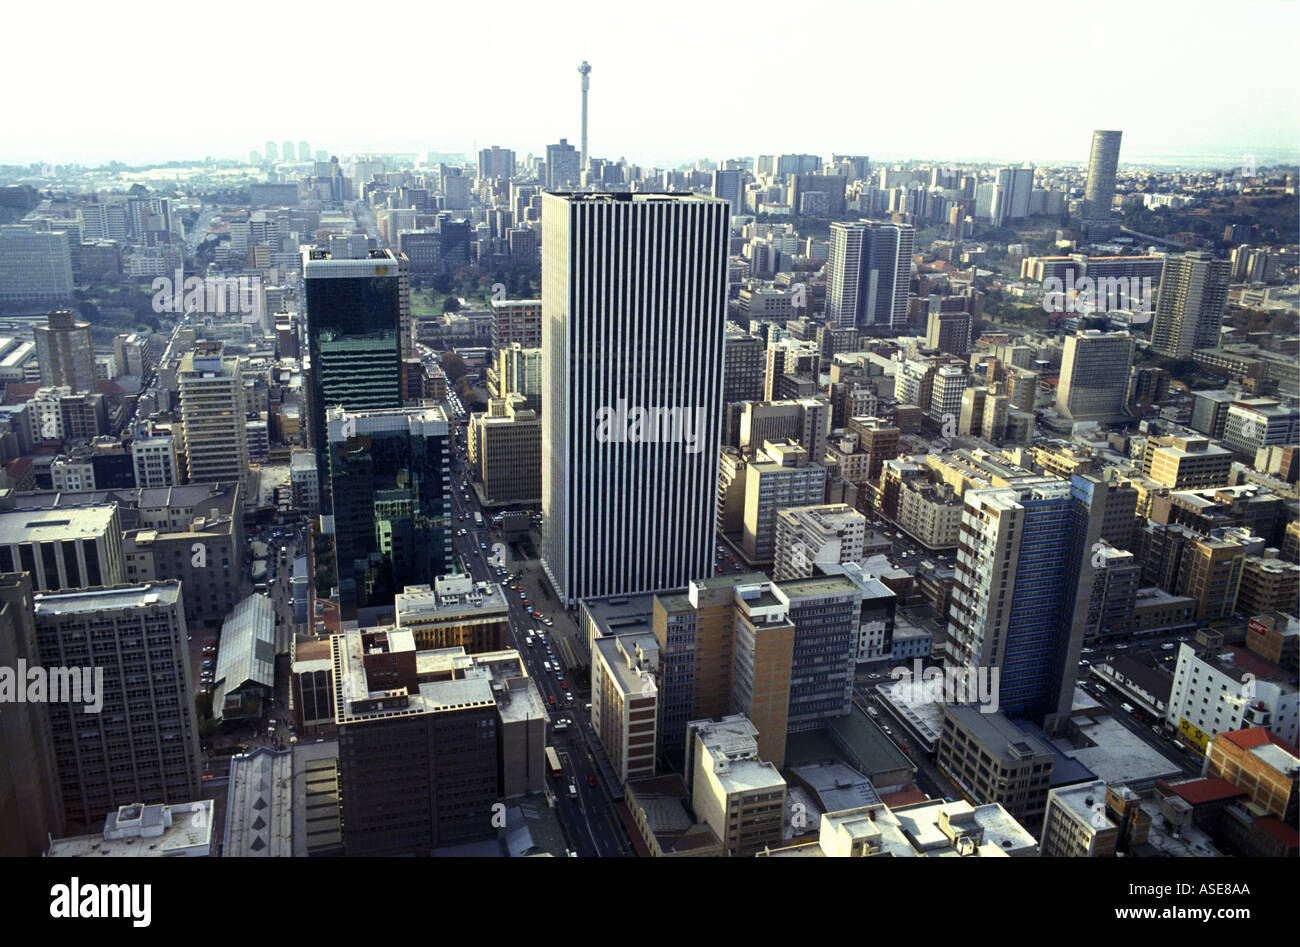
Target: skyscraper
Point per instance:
(730, 187)
(65, 351)
(143, 744)
(213, 414)
(1189, 305)
(272, 154)
(1094, 375)
(496, 162)
(287, 151)
(869, 274)
(563, 166)
(390, 486)
(1012, 582)
(633, 319)
(304, 152)
(1099, 191)
(31, 806)
(358, 333)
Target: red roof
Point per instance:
(904, 797)
(1283, 833)
(1200, 791)
(1252, 737)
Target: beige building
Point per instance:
(505, 451)
(934, 829)
(212, 415)
(735, 793)
(1093, 820)
(624, 702)
(931, 515)
(1186, 463)
(809, 535)
(782, 476)
(455, 612)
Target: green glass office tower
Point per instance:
(358, 332)
(391, 488)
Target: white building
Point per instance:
(632, 381)
(1212, 694)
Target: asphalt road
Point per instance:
(590, 821)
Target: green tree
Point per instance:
(451, 304)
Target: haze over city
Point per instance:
(1016, 82)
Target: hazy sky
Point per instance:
(1006, 79)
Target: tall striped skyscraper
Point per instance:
(634, 305)
(869, 274)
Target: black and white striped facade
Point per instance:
(634, 304)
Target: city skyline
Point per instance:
(628, 113)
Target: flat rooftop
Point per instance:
(75, 522)
(97, 600)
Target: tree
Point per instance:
(453, 366)
(451, 304)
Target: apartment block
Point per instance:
(811, 535)
(624, 702)
(143, 745)
(993, 760)
(736, 793)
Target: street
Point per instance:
(590, 821)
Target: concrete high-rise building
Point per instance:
(1019, 537)
(287, 151)
(949, 384)
(585, 71)
(64, 548)
(948, 332)
(418, 754)
(1094, 376)
(808, 537)
(358, 334)
(824, 611)
(624, 702)
(65, 352)
(155, 461)
(563, 167)
(1099, 190)
(738, 794)
(272, 152)
(632, 389)
(212, 414)
(780, 476)
(35, 265)
(143, 744)
(869, 274)
(729, 186)
(725, 646)
(1190, 304)
(390, 480)
(516, 322)
(304, 151)
(31, 805)
(504, 450)
(518, 371)
(496, 163)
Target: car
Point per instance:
(1121, 647)
(874, 677)
(558, 675)
(551, 698)
(546, 665)
(568, 695)
(591, 781)
(547, 621)
(1167, 646)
